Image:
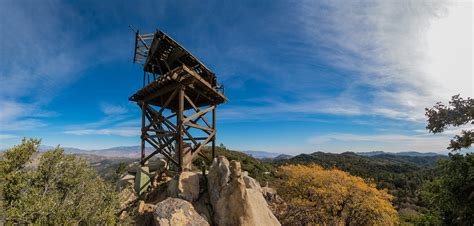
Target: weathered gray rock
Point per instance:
(133, 167)
(125, 181)
(185, 186)
(127, 196)
(251, 183)
(187, 157)
(233, 201)
(203, 207)
(173, 211)
(188, 186)
(157, 164)
(217, 177)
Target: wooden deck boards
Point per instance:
(197, 89)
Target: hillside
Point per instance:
(262, 171)
(401, 175)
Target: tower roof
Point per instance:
(165, 54)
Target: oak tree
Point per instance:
(332, 197)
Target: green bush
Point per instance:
(60, 189)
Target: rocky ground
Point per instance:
(225, 195)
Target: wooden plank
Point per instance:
(158, 150)
(179, 123)
(213, 148)
(203, 81)
(161, 92)
(168, 101)
(142, 151)
(198, 149)
(198, 126)
(196, 138)
(162, 118)
(196, 109)
(197, 114)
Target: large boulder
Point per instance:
(157, 164)
(125, 181)
(251, 183)
(185, 186)
(173, 211)
(234, 201)
(127, 197)
(188, 186)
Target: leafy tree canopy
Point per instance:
(451, 196)
(459, 112)
(332, 197)
(59, 189)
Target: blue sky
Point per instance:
(301, 76)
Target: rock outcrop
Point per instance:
(225, 196)
(234, 201)
(185, 186)
(174, 211)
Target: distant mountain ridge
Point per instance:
(134, 152)
(262, 154)
(120, 151)
(404, 153)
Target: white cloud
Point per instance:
(7, 136)
(410, 53)
(110, 109)
(17, 116)
(126, 132)
(43, 50)
(340, 142)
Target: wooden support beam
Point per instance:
(199, 127)
(213, 149)
(196, 138)
(142, 151)
(203, 81)
(165, 120)
(180, 124)
(158, 149)
(198, 114)
(167, 102)
(198, 149)
(161, 92)
(143, 41)
(196, 109)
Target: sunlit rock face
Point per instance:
(225, 196)
(174, 211)
(234, 201)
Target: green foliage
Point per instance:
(61, 189)
(261, 171)
(459, 112)
(451, 196)
(112, 169)
(15, 159)
(332, 197)
(401, 175)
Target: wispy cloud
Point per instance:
(20, 116)
(390, 58)
(7, 136)
(117, 121)
(41, 56)
(402, 51)
(110, 109)
(126, 132)
(391, 142)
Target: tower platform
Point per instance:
(178, 101)
(198, 90)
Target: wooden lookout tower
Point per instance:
(178, 95)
